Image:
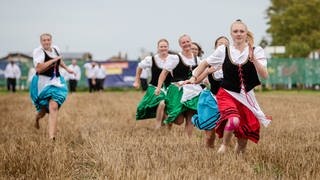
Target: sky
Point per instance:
(105, 28)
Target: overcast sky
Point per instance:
(105, 27)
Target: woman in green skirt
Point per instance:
(151, 105)
(181, 100)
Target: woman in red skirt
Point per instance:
(239, 110)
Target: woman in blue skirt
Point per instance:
(207, 110)
(48, 89)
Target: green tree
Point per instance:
(295, 24)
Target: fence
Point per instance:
(283, 73)
(288, 73)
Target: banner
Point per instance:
(119, 73)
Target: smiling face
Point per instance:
(221, 41)
(185, 43)
(239, 33)
(46, 41)
(163, 47)
(195, 50)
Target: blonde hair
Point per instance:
(250, 38)
(184, 35)
(238, 21)
(163, 40)
(45, 34)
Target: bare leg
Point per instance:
(160, 114)
(179, 120)
(53, 118)
(226, 141)
(241, 145)
(231, 125)
(209, 138)
(189, 125)
(39, 115)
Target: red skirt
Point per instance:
(249, 127)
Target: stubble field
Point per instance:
(98, 138)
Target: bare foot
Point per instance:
(39, 115)
(222, 149)
(159, 124)
(209, 139)
(239, 150)
(209, 142)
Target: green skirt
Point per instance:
(174, 107)
(147, 107)
(192, 103)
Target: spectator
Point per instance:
(12, 73)
(91, 73)
(101, 75)
(74, 78)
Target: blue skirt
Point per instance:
(208, 112)
(41, 99)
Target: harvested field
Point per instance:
(98, 138)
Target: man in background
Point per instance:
(12, 73)
(74, 78)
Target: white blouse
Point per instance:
(38, 54)
(38, 57)
(237, 57)
(170, 65)
(147, 62)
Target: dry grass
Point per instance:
(98, 138)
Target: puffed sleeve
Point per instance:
(259, 55)
(171, 63)
(38, 56)
(217, 57)
(58, 49)
(146, 63)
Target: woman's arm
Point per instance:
(200, 70)
(64, 66)
(136, 83)
(261, 69)
(161, 79)
(41, 67)
(205, 73)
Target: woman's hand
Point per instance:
(189, 81)
(157, 91)
(136, 84)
